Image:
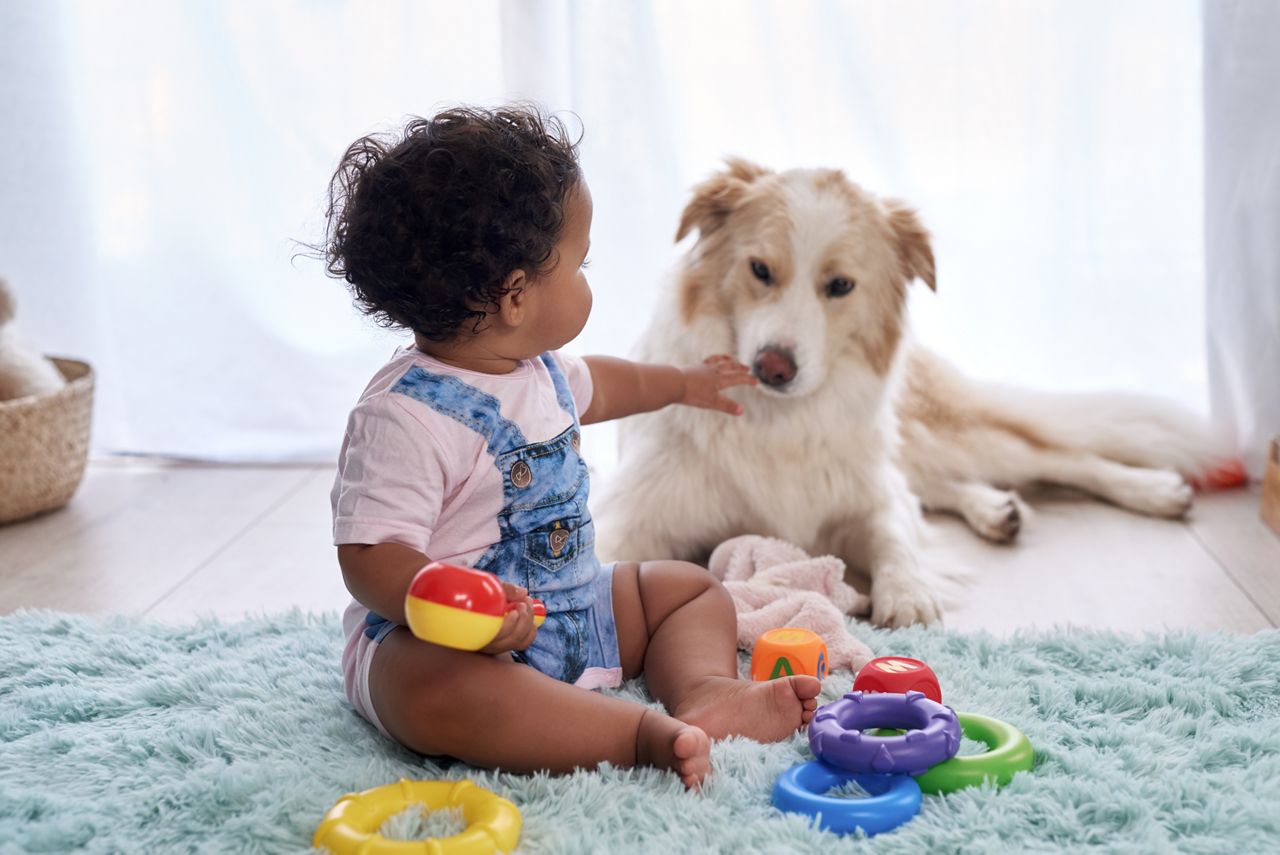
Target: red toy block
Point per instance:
(900, 675)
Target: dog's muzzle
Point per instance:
(774, 366)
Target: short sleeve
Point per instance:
(392, 477)
(578, 376)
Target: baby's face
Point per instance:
(560, 301)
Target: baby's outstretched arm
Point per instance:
(624, 388)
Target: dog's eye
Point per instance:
(839, 286)
(760, 270)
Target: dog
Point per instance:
(853, 427)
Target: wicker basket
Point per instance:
(44, 444)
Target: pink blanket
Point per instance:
(774, 583)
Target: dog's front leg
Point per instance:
(900, 592)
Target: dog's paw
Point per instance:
(997, 518)
(901, 601)
(1154, 492)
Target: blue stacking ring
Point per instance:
(802, 789)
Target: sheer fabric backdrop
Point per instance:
(1242, 253)
(163, 159)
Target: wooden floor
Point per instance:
(174, 541)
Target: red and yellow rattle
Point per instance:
(459, 607)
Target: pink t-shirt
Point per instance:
(410, 475)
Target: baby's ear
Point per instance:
(911, 239)
(510, 306)
(714, 198)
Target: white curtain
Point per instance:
(160, 160)
(1242, 186)
(168, 156)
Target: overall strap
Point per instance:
(563, 396)
(466, 404)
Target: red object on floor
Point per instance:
(900, 675)
(1227, 476)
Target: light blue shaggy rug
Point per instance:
(126, 736)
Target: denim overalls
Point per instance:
(547, 540)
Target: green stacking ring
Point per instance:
(1010, 752)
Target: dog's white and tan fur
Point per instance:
(856, 425)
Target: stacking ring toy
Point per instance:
(351, 825)
(894, 798)
(1010, 752)
(837, 735)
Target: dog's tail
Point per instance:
(1137, 430)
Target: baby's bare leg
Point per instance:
(490, 711)
(677, 624)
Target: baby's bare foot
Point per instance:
(668, 743)
(766, 711)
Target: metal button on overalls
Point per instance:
(558, 538)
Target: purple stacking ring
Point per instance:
(837, 733)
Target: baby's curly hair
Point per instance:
(426, 224)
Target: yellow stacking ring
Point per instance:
(351, 825)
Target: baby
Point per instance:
(471, 229)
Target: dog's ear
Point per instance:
(915, 254)
(714, 198)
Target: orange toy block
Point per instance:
(787, 651)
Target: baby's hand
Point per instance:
(518, 629)
(703, 383)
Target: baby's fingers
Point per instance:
(727, 405)
(735, 375)
(498, 644)
(530, 633)
(516, 624)
(514, 593)
(725, 364)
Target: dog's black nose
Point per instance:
(774, 366)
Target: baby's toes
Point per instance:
(805, 687)
(692, 749)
